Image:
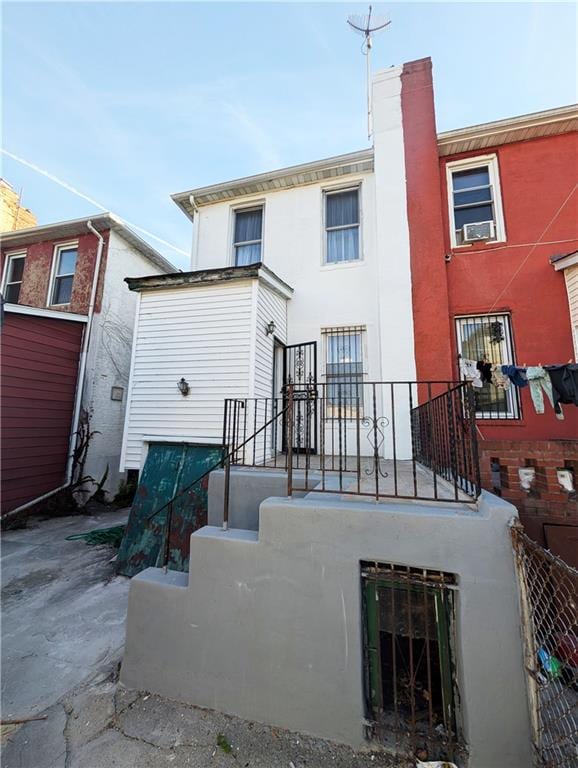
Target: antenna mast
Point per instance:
(367, 26)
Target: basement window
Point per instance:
(409, 627)
(13, 277)
(64, 269)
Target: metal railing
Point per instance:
(399, 439)
(549, 606)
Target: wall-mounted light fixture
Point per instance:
(270, 327)
(183, 386)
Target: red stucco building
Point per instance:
(489, 291)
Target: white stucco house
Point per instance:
(352, 581)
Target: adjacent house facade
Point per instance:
(66, 346)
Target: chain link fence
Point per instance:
(549, 601)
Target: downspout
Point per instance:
(84, 353)
(80, 383)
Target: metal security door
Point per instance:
(300, 371)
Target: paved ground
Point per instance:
(63, 631)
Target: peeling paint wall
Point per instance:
(38, 268)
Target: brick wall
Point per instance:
(546, 503)
(12, 214)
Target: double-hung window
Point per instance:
(63, 276)
(344, 371)
(248, 236)
(342, 223)
(475, 203)
(13, 277)
(488, 338)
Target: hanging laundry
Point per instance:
(516, 375)
(485, 370)
(564, 380)
(540, 382)
(469, 371)
(498, 379)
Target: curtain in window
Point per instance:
(247, 254)
(248, 225)
(342, 244)
(342, 209)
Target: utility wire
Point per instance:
(531, 251)
(90, 200)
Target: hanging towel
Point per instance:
(498, 379)
(469, 371)
(516, 375)
(540, 380)
(564, 380)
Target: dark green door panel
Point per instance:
(169, 468)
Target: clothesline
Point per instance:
(559, 381)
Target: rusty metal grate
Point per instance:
(549, 603)
(411, 689)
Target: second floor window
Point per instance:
(342, 226)
(13, 280)
(65, 267)
(248, 236)
(475, 204)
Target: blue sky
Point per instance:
(130, 102)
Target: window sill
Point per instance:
(510, 421)
(327, 266)
(481, 245)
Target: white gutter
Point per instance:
(79, 384)
(84, 353)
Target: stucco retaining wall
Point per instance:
(268, 626)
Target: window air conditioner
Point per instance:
(480, 230)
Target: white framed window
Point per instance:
(342, 222)
(63, 271)
(488, 338)
(475, 201)
(248, 236)
(344, 370)
(13, 272)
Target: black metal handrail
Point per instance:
(365, 438)
(224, 461)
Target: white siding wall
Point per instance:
(109, 355)
(571, 275)
(270, 306)
(203, 333)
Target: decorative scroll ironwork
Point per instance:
(377, 427)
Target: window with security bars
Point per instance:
(488, 338)
(344, 371)
(410, 675)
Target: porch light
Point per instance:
(270, 327)
(183, 386)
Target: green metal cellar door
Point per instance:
(169, 468)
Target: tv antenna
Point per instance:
(367, 26)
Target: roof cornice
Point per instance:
(284, 178)
(204, 277)
(535, 125)
(75, 227)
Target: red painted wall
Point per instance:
(426, 231)
(37, 270)
(39, 368)
(537, 177)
